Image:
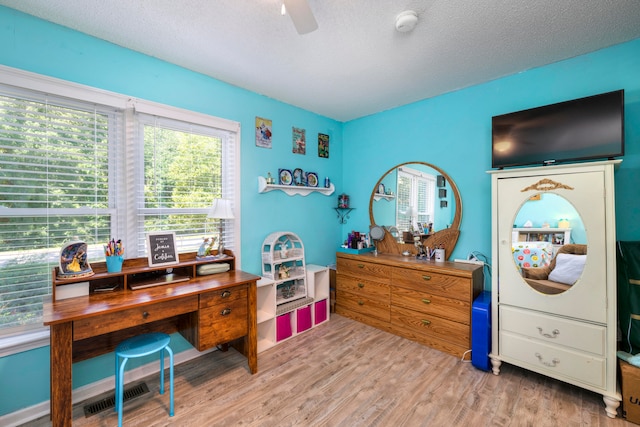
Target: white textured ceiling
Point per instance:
(356, 63)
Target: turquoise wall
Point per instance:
(451, 131)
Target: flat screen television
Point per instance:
(580, 129)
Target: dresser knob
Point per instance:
(553, 333)
(426, 301)
(225, 312)
(426, 277)
(426, 322)
(551, 364)
(361, 285)
(145, 314)
(360, 265)
(226, 294)
(361, 302)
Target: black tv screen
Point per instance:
(581, 129)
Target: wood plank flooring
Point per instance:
(344, 373)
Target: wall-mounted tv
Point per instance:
(580, 129)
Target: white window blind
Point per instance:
(415, 198)
(54, 184)
(186, 167)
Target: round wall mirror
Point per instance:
(549, 243)
(416, 202)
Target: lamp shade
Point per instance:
(221, 209)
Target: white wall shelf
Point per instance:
(292, 190)
(379, 196)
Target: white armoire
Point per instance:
(569, 335)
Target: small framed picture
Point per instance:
(443, 203)
(161, 248)
(442, 193)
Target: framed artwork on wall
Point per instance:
(323, 145)
(263, 132)
(299, 141)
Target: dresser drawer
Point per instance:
(222, 319)
(363, 287)
(367, 270)
(554, 330)
(215, 298)
(114, 321)
(433, 283)
(377, 307)
(414, 322)
(553, 360)
(448, 308)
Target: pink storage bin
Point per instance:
(320, 311)
(304, 318)
(283, 327)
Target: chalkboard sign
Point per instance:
(162, 248)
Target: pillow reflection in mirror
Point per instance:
(568, 268)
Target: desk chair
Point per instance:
(139, 346)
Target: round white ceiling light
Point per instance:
(406, 21)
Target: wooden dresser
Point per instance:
(423, 301)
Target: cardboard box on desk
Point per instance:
(630, 376)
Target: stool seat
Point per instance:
(143, 345)
(139, 346)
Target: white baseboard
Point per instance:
(88, 391)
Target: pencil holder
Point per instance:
(114, 263)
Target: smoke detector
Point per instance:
(406, 21)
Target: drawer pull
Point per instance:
(361, 285)
(553, 333)
(360, 302)
(551, 364)
(426, 301)
(145, 314)
(426, 322)
(225, 312)
(360, 265)
(226, 294)
(426, 277)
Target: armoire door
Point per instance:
(585, 191)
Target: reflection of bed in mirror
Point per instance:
(416, 200)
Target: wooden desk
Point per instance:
(206, 310)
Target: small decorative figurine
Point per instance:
(73, 260)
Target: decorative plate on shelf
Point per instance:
(312, 179)
(284, 177)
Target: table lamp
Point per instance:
(221, 210)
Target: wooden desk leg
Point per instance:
(61, 385)
(251, 339)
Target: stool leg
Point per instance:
(120, 391)
(170, 380)
(116, 378)
(162, 371)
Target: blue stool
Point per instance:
(142, 345)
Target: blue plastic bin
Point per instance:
(481, 331)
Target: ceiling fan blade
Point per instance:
(301, 15)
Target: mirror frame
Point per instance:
(447, 237)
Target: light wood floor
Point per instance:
(344, 373)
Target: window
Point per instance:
(414, 198)
(186, 167)
(71, 166)
(55, 184)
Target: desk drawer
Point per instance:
(433, 283)
(222, 297)
(222, 318)
(117, 320)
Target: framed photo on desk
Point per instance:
(161, 247)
